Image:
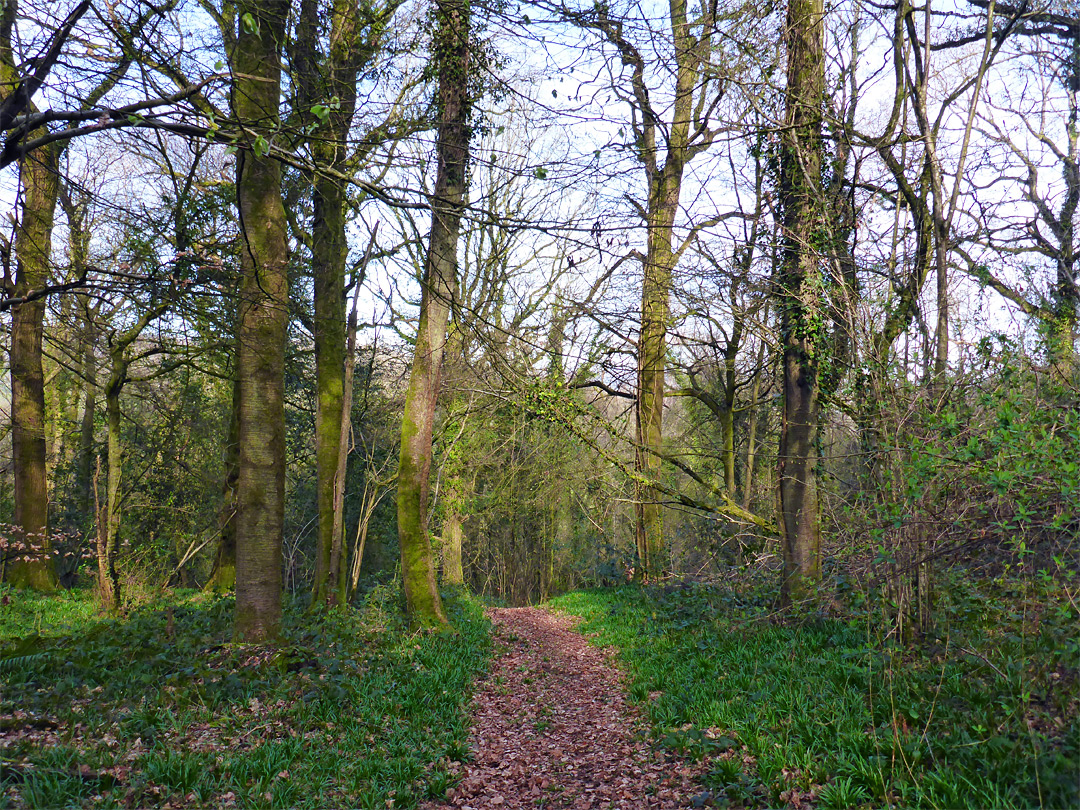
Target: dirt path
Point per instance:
(552, 729)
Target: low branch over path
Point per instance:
(552, 728)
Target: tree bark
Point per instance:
(801, 300)
(439, 288)
(39, 180)
(40, 189)
(263, 317)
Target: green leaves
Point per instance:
(250, 24)
(322, 111)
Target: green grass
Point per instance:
(348, 710)
(61, 613)
(984, 714)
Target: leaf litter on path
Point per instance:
(552, 729)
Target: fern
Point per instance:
(14, 663)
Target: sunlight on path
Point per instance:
(551, 728)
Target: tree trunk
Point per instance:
(223, 577)
(335, 78)
(38, 175)
(664, 192)
(652, 369)
(439, 287)
(89, 413)
(752, 428)
(1065, 295)
(801, 300)
(730, 387)
(263, 317)
(108, 576)
(665, 188)
(453, 536)
(455, 497)
(329, 250)
(339, 558)
(67, 389)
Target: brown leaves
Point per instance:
(552, 729)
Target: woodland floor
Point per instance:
(552, 729)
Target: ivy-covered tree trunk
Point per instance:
(263, 317)
(39, 181)
(451, 54)
(801, 300)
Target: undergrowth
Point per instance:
(158, 709)
(831, 712)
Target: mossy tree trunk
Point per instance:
(39, 191)
(456, 495)
(87, 315)
(801, 300)
(451, 52)
(40, 188)
(263, 317)
(317, 84)
(1065, 294)
(325, 81)
(652, 372)
(752, 427)
(458, 476)
(686, 133)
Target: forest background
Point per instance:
(698, 284)
(708, 297)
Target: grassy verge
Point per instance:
(161, 710)
(827, 712)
